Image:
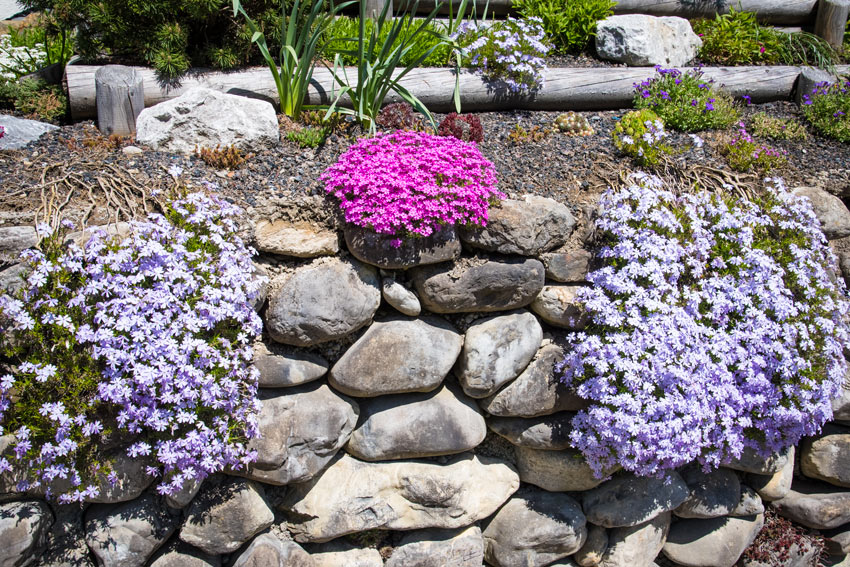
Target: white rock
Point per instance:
(641, 40)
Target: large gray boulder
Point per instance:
(269, 551)
(398, 355)
(281, 367)
(556, 471)
(827, 458)
(714, 542)
(636, 546)
(380, 249)
(301, 429)
(353, 496)
(750, 461)
(21, 131)
(23, 532)
(774, 486)
(406, 426)
(546, 433)
(322, 302)
(534, 528)
(537, 391)
(206, 118)
(713, 494)
(640, 40)
(479, 285)
(628, 500)
(462, 547)
(495, 351)
(341, 553)
(816, 505)
(831, 211)
(528, 227)
(127, 535)
(66, 542)
(224, 517)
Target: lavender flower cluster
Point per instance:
(143, 342)
(715, 326)
(511, 51)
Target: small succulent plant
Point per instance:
(573, 124)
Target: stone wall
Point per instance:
(411, 391)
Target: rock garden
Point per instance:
(554, 283)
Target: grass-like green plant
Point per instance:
(569, 24)
(763, 125)
(34, 98)
(298, 51)
(737, 38)
(48, 35)
(379, 62)
(307, 137)
(685, 101)
(827, 108)
(743, 153)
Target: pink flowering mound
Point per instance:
(411, 183)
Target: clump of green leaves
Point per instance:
(737, 38)
(685, 101)
(743, 153)
(343, 27)
(640, 135)
(34, 98)
(827, 108)
(569, 24)
(763, 125)
(307, 137)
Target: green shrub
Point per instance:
(569, 24)
(308, 137)
(737, 38)
(34, 98)
(685, 101)
(765, 126)
(640, 135)
(170, 35)
(827, 108)
(743, 153)
(344, 27)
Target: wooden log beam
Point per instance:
(778, 12)
(831, 20)
(119, 98)
(564, 89)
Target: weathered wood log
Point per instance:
(781, 12)
(831, 20)
(564, 89)
(119, 98)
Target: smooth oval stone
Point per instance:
(281, 367)
(827, 458)
(558, 306)
(713, 542)
(378, 249)
(556, 471)
(567, 267)
(713, 494)
(816, 505)
(636, 545)
(546, 433)
(463, 547)
(628, 500)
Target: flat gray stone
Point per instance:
(207, 118)
(462, 547)
(816, 505)
(556, 471)
(775, 486)
(831, 212)
(827, 458)
(222, 518)
(127, 535)
(495, 351)
(281, 367)
(750, 461)
(23, 531)
(340, 553)
(595, 546)
(534, 528)
(400, 298)
(322, 302)
(20, 131)
(636, 546)
(66, 542)
(546, 433)
(185, 495)
(301, 240)
(557, 305)
(13, 278)
(749, 505)
(628, 500)
(178, 554)
(301, 429)
(396, 356)
(713, 494)
(537, 391)
(528, 227)
(352, 496)
(641, 40)
(479, 285)
(567, 267)
(714, 542)
(16, 239)
(378, 249)
(268, 551)
(406, 426)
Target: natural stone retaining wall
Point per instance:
(420, 399)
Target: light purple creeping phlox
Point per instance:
(147, 340)
(715, 325)
(411, 183)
